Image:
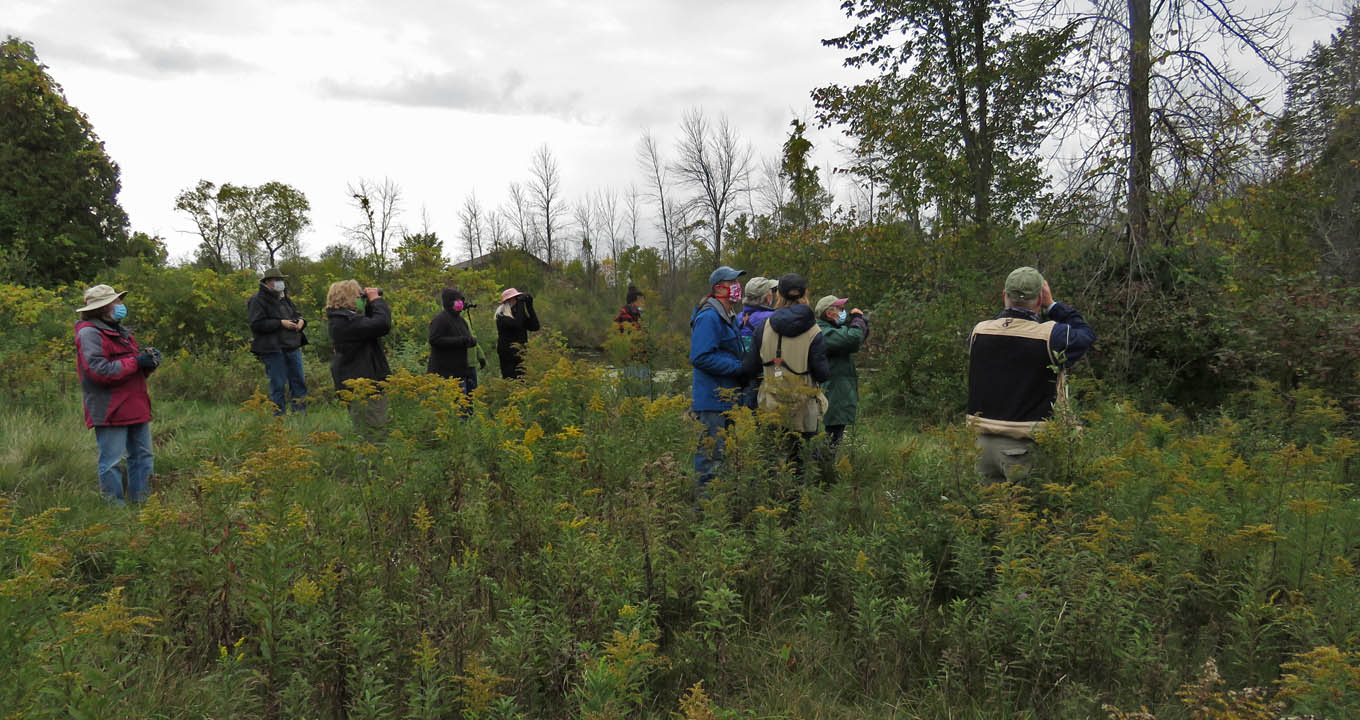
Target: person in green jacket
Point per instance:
(844, 333)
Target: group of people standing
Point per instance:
(766, 347)
(113, 369)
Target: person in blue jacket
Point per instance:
(715, 351)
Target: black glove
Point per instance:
(481, 362)
(528, 299)
(147, 360)
(472, 342)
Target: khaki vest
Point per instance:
(787, 390)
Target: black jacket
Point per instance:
(450, 341)
(265, 311)
(357, 341)
(790, 321)
(516, 328)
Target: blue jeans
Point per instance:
(115, 441)
(708, 457)
(285, 373)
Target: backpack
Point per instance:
(787, 390)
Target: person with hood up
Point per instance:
(515, 319)
(113, 372)
(789, 351)
(277, 340)
(844, 333)
(451, 342)
(715, 355)
(356, 332)
(757, 304)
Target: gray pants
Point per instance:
(1001, 458)
(369, 416)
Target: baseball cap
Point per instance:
(724, 274)
(792, 286)
(827, 302)
(756, 288)
(1024, 283)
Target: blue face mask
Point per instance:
(119, 312)
(841, 318)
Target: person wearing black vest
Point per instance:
(277, 339)
(1016, 363)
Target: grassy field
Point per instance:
(544, 558)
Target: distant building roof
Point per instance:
(496, 256)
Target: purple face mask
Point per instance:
(735, 293)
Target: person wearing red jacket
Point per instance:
(113, 372)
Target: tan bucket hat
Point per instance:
(100, 296)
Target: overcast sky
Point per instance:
(445, 98)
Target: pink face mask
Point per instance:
(458, 305)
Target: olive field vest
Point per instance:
(787, 390)
(1013, 378)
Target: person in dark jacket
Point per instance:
(277, 338)
(715, 355)
(515, 319)
(1017, 363)
(451, 342)
(845, 332)
(630, 315)
(113, 372)
(788, 350)
(356, 336)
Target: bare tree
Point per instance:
(583, 214)
(470, 225)
(630, 214)
(661, 193)
(716, 164)
(774, 192)
(521, 216)
(608, 226)
(379, 206)
(1152, 99)
(545, 193)
(497, 230)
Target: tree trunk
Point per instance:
(1140, 122)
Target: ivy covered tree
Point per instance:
(59, 214)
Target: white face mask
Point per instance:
(277, 285)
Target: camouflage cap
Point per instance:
(1024, 283)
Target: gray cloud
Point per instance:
(177, 58)
(469, 91)
(132, 55)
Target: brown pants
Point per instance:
(1002, 458)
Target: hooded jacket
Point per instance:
(112, 386)
(357, 341)
(265, 311)
(715, 354)
(790, 321)
(450, 339)
(842, 388)
(749, 319)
